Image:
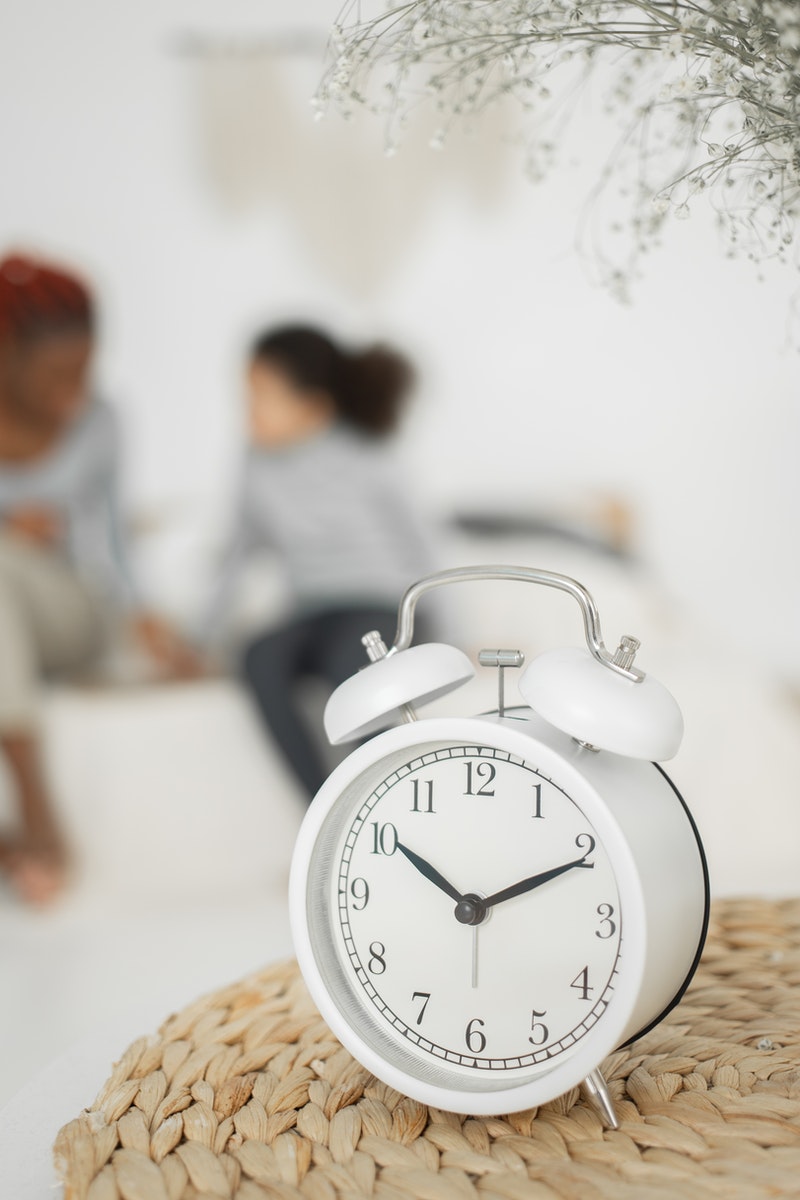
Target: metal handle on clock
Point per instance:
(620, 661)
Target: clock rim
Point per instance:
(682, 989)
(607, 1033)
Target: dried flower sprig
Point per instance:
(708, 91)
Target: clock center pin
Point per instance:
(470, 910)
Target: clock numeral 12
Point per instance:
(384, 838)
(482, 771)
(581, 983)
(428, 783)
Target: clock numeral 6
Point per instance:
(539, 1031)
(377, 963)
(425, 997)
(605, 912)
(384, 838)
(476, 1041)
(359, 890)
(475, 773)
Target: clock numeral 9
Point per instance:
(476, 1041)
(475, 773)
(539, 1031)
(605, 912)
(377, 963)
(581, 984)
(359, 890)
(428, 783)
(384, 838)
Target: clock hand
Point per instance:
(527, 885)
(430, 872)
(475, 956)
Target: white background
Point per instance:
(195, 190)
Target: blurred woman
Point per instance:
(62, 566)
(321, 490)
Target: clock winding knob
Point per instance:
(576, 693)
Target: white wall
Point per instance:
(199, 195)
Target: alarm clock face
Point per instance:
(465, 916)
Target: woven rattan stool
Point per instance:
(246, 1094)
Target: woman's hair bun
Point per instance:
(367, 386)
(377, 383)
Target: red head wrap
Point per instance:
(36, 299)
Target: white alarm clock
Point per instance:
(484, 908)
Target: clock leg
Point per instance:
(596, 1092)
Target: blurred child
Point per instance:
(320, 489)
(62, 566)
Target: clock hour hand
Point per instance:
(527, 885)
(430, 872)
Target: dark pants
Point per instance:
(325, 646)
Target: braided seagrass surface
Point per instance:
(246, 1094)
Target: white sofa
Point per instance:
(179, 786)
(182, 815)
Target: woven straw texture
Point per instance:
(246, 1094)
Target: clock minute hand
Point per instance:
(430, 872)
(527, 885)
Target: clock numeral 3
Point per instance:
(359, 890)
(581, 984)
(537, 800)
(384, 838)
(539, 1031)
(476, 1041)
(428, 798)
(605, 912)
(475, 773)
(377, 963)
(425, 997)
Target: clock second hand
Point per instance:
(475, 956)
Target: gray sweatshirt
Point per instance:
(78, 479)
(337, 512)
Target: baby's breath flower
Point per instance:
(708, 93)
(682, 87)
